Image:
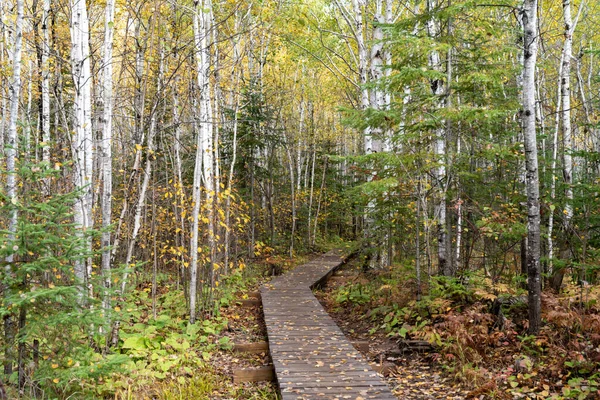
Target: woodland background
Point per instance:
(155, 151)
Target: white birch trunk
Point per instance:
(206, 132)
(553, 176)
(299, 160)
(4, 86)
(11, 145)
(45, 86)
(358, 27)
(203, 170)
(565, 85)
(530, 43)
(377, 95)
(319, 201)
(105, 126)
(293, 197)
(311, 195)
(82, 142)
(439, 148)
(27, 117)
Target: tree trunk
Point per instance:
(439, 149)
(325, 164)
(105, 126)
(45, 88)
(203, 170)
(565, 85)
(82, 144)
(10, 149)
(530, 42)
(553, 176)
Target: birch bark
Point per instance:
(105, 127)
(10, 151)
(203, 170)
(530, 47)
(45, 85)
(82, 143)
(439, 147)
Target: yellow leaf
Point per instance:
(54, 366)
(55, 380)
(117, 308)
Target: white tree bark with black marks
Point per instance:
(82, 145)
(203, 170)
(45, 85)
(553, 176)
(565, 92)
(105, 128)
(4, 85)
(10, 152)
(530, 48)
(357, 26)
(11, 145)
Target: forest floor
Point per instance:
(450, 345)
(410, 374)
(469, 340)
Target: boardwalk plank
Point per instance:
(311, 356)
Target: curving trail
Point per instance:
(312, 357)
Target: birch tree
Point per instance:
(10, 152)
(565, 94)
(45, 84)
(530, 49)
(82, 141)
(203, 169)
(439, 144)
(105, 127)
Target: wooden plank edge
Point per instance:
(260, 374)
(255, 347)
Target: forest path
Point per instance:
(312, 357)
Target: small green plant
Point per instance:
(353, 294)
(450, 288)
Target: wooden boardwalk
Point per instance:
(312, 357)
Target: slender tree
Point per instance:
(82, 145)
(530, 48)
(105, 126)
(10, 149)
(438, 89)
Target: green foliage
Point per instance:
(443, 287)
(353, 294)
(41, 292)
